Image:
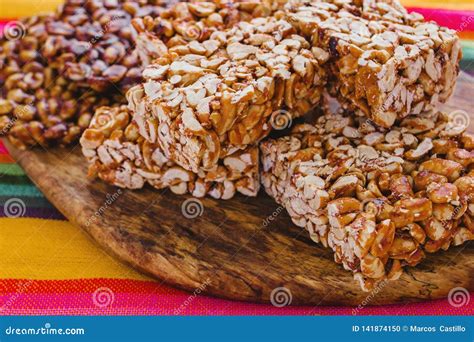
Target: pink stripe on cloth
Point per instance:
(455, 19)
(3, 149)
(2, 25)
(461, 21)
(110, 303)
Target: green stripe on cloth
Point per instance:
(19, 190)
(467, 49)
(467, 66)
(467, 63)
(11, 169)
(16, 180)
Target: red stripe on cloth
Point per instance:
(4, 155)
(2, 25)
(5, 158)
(81, 285)
(133, 297)
(461, 21)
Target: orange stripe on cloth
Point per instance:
(466, 35)
(83, 286)
(52, 249)
(6, 159)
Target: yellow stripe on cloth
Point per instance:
(52, 250)
(22, 8)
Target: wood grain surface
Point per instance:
(239, 249)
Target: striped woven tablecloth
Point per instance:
(48, 266)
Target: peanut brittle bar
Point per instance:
(194, 21)
(380, 199)
(59, 68)
(91, 42)
(56, 69)
(120, 156)
(213, 98)
(384, 62)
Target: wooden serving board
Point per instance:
(233, 249)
